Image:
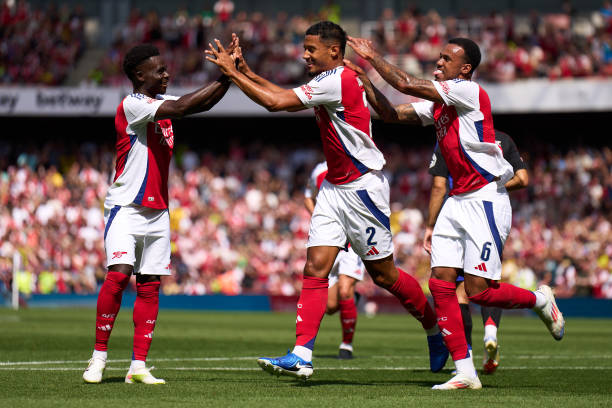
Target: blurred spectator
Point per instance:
(39, 46)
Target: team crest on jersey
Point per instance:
(164, 127)
(445, 87)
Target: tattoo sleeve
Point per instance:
(405, 82)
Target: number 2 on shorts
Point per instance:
(371, 231)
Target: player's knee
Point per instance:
(383, 281)
(315, 269)
(346, 293)
(331, 309)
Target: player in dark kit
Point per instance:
(475, 220)
(353, 201)
(491, 316)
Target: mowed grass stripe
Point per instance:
(204, 357)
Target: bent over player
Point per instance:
(345, 273)
(491, 316)
(137, 224)
(353, 201)
(475, 220)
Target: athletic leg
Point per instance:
(348, 314)
(107, 308)
(408, 291)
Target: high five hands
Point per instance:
(226, 59)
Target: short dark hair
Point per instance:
(136, 56)
(327, 30)
(471, 50)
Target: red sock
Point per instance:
(410, 294)
(109, 302)
(310, 310)
(348, 319)
(490, 322)
(146, 307)
(505, 296)
(449, 317)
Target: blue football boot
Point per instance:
(289, 364)
(438, 353)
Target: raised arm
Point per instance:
(248, 72)
(272, 98)
(404, 113)
(397, 78)
(199, 101)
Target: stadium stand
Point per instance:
(239, 226)
(563, 44)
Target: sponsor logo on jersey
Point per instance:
(164, 127)
(118, 254)
(441, 126)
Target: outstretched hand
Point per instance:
(354, 67)
(238, 57)
(362, 47)
(220, 57)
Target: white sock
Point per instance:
(303, 352)
(99, 354)
(466, 367)
(490, 332)
(136, 364)
(432, 331)
(540, 300)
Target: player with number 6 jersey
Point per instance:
(353, 201)
(475, 220)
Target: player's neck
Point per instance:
(146, 92)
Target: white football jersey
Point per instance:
(144, 149)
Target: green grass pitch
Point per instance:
(208, 359)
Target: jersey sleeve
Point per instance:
(458, 92)
(425, 112)
(322, 90)
(511, 153)
(438, 167)
(140, 109)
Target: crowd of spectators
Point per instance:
(239, 225)
(39, 46)
(561, 45)
(557, 45)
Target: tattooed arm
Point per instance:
(404, 113)
(397, 78)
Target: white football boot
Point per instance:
(94, 371)
(550, 313)
(491, 356)
(460, 381)
(142, 375)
